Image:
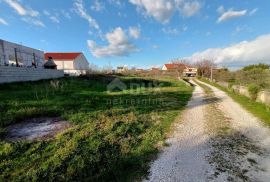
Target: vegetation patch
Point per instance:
(113, 136)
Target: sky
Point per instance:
(143, 33)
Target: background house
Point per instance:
(12, 54)
(174, 67)
(122, 69)
(73, 63)
(190, 72)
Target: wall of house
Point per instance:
(20, 74)
(64, 64)
(25, 55)
(81, 63)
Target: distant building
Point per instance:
(121, 69)
(174, 67)
(190, 72)
(186, 70)
(12, 54)
(155, 69)
(73, 63)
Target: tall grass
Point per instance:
(109, 141)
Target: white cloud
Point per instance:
(221, 9)
(97, 6)
(54, 19)
(230, 14)
(190, 8)
(79, 6)
(134, 32)
(245, 52)
(118, 45)
(252, 12)
(34, 21)
(20, 9)
(162, 10)
(3, 22)
(117, 3)
(172, 31)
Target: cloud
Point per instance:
(118, 45)
(79, 7)
(252, 12)
(190, 8)
(171, 31)
(162, 10)
(97, 6)
(134, 32)
(34, 21)
(245, 52)
(230, 14)
(3, 22)
(117, 3)
(20, 9)
(54, 19)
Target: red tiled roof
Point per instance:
(175, 66)
(62, 56)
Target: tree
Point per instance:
(204, 67)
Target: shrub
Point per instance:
(253, 91)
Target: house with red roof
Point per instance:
(174, 67)
(180, 67)
(74, 63)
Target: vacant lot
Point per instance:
(113, 135)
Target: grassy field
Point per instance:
(258, 109)
(114, 134)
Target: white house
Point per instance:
(73, 63)
(12, 54)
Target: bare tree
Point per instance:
(204, 67)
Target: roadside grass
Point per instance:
(114, 135)
(260, 110)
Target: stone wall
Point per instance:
(263, 96)
(10, 74)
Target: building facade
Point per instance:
(72, 63)
(12, 54)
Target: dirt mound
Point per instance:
(36, 129)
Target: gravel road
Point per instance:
(238, 151)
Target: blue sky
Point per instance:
(142, 33)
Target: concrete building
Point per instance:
(122, 69)
(73, 63)
(190, 72)
(12, 54)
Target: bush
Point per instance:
(253, 91)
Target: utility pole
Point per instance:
(16, 57)
(34, 57)
(211, 72)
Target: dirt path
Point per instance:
(216, 140)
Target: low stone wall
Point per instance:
(263, 96)
(20, 74)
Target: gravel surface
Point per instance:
(215, 140)
(252, 128)
(184, 159)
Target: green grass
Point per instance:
(260, 110)
(114, 134)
